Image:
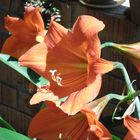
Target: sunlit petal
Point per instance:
(102, 66)
(14, 48)
(98, 105)
(33, 19)
(133, 126)
(78, 99)
(37, 57)
(26, 32)
(44, 95)
(85, 28)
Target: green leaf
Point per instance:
(6, 124)
(6, 134)
(115, 137)
(26, 72)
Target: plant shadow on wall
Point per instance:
(67, 68)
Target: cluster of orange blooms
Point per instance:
(71, 61)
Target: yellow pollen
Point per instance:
(39, 38)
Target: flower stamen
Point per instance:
(56, 77)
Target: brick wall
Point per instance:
(14, 94)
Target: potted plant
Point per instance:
(102, 3)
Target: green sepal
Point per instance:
(24, 71)
(6, 134)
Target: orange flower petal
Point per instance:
(16, 48)
(102, 66)
(133, 126)
(43, 96)
(129, 137)
(28, 28)
(33, 19)
(36, 58)
(52, 124)
(19, 29)
(98, 105)
(95, 125)
(85, 28)
(78, 99)
(25, 32)
(55, 34)
(39, 97)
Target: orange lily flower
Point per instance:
(26, 33)
(52, 123)
(133, 126)
(74, 66)
(130, 51)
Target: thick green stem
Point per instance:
(115, 96)
(107, 44)
(129, 86)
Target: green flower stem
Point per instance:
(115, 96)
(130, 89)
(107, 44)
(129, 86)
(137, 110)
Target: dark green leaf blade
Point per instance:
(26, 72)
(6, 134)
(6, 124)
